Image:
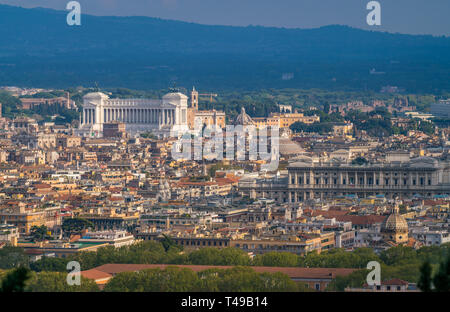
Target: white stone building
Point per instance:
(166, 117)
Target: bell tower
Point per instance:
(194, 99)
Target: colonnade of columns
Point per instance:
(363, 179)
(158, 116)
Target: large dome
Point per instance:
(289, 147)
(243, 119)
(395, 223)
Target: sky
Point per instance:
(402, 16)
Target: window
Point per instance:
(317, 286)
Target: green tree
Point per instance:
(359, 161)
(76, 225)
(39, 233)
(239, 279)
(57, 282)
(12, 257)
(279, 259)
(441, 280)
(49, 264)
(168, 242)
(215, 256)
(355, 279)
(276, 282)
(424, 282)
(15, 281)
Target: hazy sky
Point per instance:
(404, 16)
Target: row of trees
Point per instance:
(397, 262)
(173, 279)
(23, 279)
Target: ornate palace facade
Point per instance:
(306, 179)
(163, 117)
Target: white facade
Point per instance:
(166, 117)
(431, 238)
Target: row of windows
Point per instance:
(202, 243)
(370, 181)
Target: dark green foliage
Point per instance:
(424, 282)
(12, 257)
(281, 259)
(57, 282)
(441, 280)
(353, 280)
(175, 279)
(76, 225)
(15, 281)
(360, 161)
(49, 264)
(39, 233)
(215, 256)
(318, 127)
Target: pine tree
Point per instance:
(425, 277)
(442, 279)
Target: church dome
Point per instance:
(395, 223)
(289, 147)
(243, 119)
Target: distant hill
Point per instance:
(38, 48)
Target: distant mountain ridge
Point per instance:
(38, 48)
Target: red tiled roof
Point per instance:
(362, 220)
(95, 274)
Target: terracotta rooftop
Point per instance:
(362, 220)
